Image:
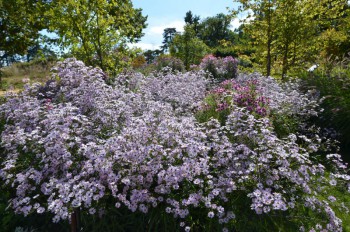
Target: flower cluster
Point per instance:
(283, 103)
(220, 68)
(79, 143)
(244, 94)
(173, 63)
(286, 97)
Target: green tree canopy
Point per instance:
(188, 48)
(290, 34)
(151, 55)
(20, 23)
(97, 31)
(168, 36)
(214, 29)
(193, 20)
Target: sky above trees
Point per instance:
(170, 13)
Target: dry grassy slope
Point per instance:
(15, 76)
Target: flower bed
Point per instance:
(139, 145)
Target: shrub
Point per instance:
(334, 87)
(163, 63)
(287, 107)
(173, 63)
(220, 68)
(82, 144)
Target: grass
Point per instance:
(14, 77)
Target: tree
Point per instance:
(332, 28)
(20, 23)
(193, 20)
(214, 29)
(261, 22)
(188, 48)
(292, 33)
(308, 30)
(168, 36)
(151, 55)
(19, 28)
(97, 31)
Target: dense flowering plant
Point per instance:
(220, 68)
(231, 93)
(79, 143)
(163, 63)
(173, 63)
(263, 97)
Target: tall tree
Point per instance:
(290, 33)
(97, 31)
(193, 20)
(151, 55)
(188, 48)
(214, 29)
(261, 20)
(168, 36)
(308, 30)
(20, 23)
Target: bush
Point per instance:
(225, 51)
(220, 68)
(288, 108)
(163, 63)
(334, 87)
(173, 63)
(135, 148)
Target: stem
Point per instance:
(75, 220)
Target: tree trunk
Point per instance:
(269, 41)
(75, 221)
(285, 61)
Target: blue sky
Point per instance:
(171, 13)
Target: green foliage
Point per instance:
(151, 55)
(284, 124)
(188, 48)
(193, 20)
(291, 34)
(209, 110)
(122, 219)
(20, 23)
(9, 221)
(334, 86)
(97, 31)
(168, 36)
(214, 29)
(223, 51)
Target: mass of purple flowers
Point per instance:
(173, 63)
(220, 68)
(245, 94)
(77, 141)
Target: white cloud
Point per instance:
(242, 18)
(235, 23)
(145, 46)
(159, 29)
